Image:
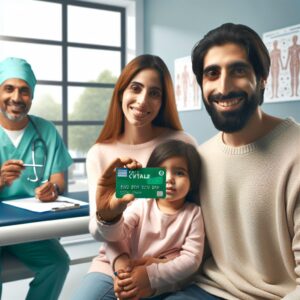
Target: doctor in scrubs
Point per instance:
(33, 159)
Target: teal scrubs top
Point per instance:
(55, 157)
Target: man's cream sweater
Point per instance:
(251, 207)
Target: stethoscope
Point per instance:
(34, 144)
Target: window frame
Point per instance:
(64, 44)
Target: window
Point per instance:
(77, 50)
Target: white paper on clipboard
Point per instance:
(36, 205)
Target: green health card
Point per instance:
(142, 183)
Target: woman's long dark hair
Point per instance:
(167, 116)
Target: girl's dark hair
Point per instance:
(173, 148)
(241, 35)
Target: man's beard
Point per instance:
(232, 121)
(13, 118)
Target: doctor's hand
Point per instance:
(10, 171)
(109, 208)
(46, 192)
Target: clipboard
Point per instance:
(61, 204)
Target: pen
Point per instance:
(33, 165)
(62, 208)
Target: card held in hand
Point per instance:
(142, 183)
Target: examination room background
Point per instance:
(170, 29)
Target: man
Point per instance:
(33, 159)
(250, 187)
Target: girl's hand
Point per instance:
(134, 284)
(121, 291)
(109, 208)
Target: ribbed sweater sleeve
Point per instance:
(122, 229)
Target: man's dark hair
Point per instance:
(242, 35)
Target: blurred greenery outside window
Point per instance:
(76, 64)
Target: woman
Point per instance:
(142, 115)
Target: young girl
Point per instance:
(169, 232)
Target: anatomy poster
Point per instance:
(187, 90)
(284, 49)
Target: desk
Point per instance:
(18, 225)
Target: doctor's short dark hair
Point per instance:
(247, 38)
(173, 148)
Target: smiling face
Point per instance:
(229, 87)
(177, 180)
(15, 100)
(142, 99)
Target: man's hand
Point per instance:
(46, 192)
(10, 171)
(108, 206)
